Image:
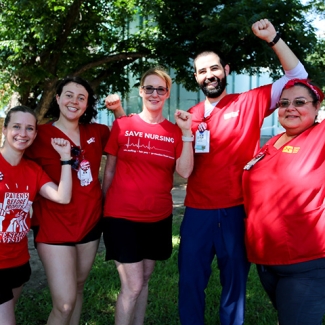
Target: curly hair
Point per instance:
(91, 111)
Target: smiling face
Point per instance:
(154, 102)
(72, 101)
(20, 131)
(211, 75)
(297, 119)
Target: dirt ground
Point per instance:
(38, 278)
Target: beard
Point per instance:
(216, 91)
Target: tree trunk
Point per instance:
(14, 101)
(47, 96)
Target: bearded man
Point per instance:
(227, 135)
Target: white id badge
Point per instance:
(202, 141)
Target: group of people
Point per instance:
(243, 204)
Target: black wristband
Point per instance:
(275, 40)
(66, 162)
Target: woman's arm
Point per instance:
(62, 193)
(108, 173)
(113, 104)
(293, 68)
(184, 164)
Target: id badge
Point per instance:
(84, 173)
(256, 159)
(202, 141)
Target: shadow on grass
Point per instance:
(103, 285)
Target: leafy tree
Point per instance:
(105, 40)
(317, 63)
(45, 40)
(190, 26)
(318, 6)
(316, 57)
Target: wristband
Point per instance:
(188, 139)
(66, 162)
(275, 40)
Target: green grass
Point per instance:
(103, 286)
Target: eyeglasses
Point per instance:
(297, 102)
(160, 90)
(76, 152)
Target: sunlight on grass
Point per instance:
(175, 241)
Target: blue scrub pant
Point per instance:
(205, 234)
(297, 291)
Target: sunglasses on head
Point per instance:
(297, 102)
(75, 153)
(160, 90)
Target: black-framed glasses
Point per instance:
(160, 90)
(297, 102)
(76, 153)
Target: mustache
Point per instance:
(212, 79)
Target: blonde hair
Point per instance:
(160, 72)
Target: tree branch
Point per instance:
(47, 96)
(54, 56)
(111, 58)
(106, 73)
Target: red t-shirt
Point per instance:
(146, 157)
(234, 126)
(284, 199)
(69, 222)
(18, 188)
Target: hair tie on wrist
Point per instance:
(188, 139)
(275, 39)
(66, 162)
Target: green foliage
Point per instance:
(318, 7)
(225, 26)
(42, 41)
(5, 94)
(317, 63)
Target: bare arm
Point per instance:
(293, 68)
(264, 30)
(113, 104)
(108, 173)
(184, 164)
(62, 193)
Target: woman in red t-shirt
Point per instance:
(143, 151)
(67, 238)
(284, 193)
(20, 181)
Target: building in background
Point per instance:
(180, 98)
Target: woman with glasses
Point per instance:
(284, 191)
(143, 152)
(20, 181)
(68, 236)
